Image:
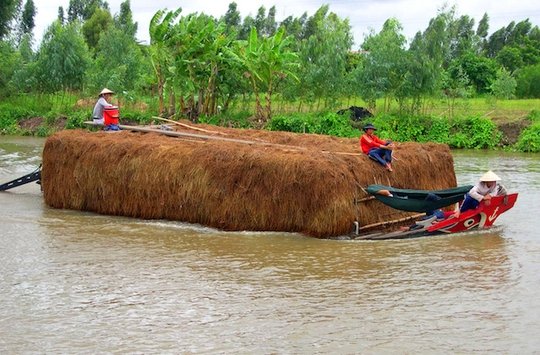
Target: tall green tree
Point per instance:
(27, 19)
(94, 27)
(324, 57)
(118, 62)
(385, 68)
(8, 11)
(124, 20)
(232, 18)
(62, 59)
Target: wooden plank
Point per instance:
(199, 136)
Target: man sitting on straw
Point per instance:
(376, 148)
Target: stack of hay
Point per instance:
(276, 181)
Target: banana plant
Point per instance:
(266, 61)
(160, 29)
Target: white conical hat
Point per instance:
(106, 91)
(490, 176)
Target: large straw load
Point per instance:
(234, 179)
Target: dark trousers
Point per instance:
(469, 204)
(379, 153)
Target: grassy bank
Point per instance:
(474, 123)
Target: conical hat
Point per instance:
(490, 176)
(106, 91)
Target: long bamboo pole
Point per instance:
(187, 126)
(404, 219)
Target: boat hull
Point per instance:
(482, 217)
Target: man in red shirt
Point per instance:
(376, 148)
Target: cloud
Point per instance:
(363, 15)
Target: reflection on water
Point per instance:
(77, 282)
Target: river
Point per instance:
(81, 283)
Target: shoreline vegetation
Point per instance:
(457, 82)
(475, 123)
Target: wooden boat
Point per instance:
(482, 217)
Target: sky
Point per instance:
(363, 15)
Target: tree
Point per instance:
(61, 17)
(504, 86)
(198, 45)
(510, 58)
(160, 30)
(528, 82)
(464, 39)
(28, 14)
(84, 9)
(270, 25)
(294, 26)
(260, 19)
(385, 67)
(8, 11)
(96, 26)
(480, 71)
(436, 41)
(266, 61)
(124, 20)
(324, 57)
(62, 58)
(118, 61)
(232, 18)
(245, 29)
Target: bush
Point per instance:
(77, 118)
(529, 139)
(533, 116)
(319, 123)
(10, 115)
(474, 132)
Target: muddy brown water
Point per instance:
(81, 283)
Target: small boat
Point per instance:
(481, 217)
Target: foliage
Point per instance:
(94, 27)
(62, 59)
(528, 82)
(117, 64)
(324, 54)
(76, 119)
(265, 60)
(11, 114)
(533, 116)
(318, 123)
(504, 87)
(474, 132)
(529, 139)
(8, 10)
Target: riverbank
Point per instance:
(470, 126)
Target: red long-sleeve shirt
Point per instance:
(369, 142)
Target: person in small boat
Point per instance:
(103, 101)
(486, 188)
(376, 148)
(435, 215)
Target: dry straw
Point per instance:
(305, 183)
